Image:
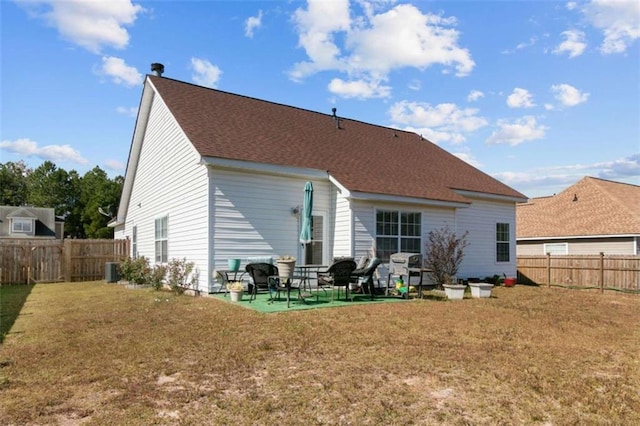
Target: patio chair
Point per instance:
(338, 275)
(364, 277)
(263, 276)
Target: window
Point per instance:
(22, 226)
(134, 242)
(162, 250)
(397, 232)
(502, 242)
(314, 250)
(556, 248)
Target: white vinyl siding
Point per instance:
(251, 215)
(170, 181)
(342, 231)
(480, 220)
(582, 246)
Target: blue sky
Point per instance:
(537, 94)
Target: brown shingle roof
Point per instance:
(601, 207)
(362, 157)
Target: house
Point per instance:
(213, 175)
(30, 223)
(590, 217)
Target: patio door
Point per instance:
(314, 251)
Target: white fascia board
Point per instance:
(271, 169)
(492, 197)
(393, 199)
(144, 110)
(578, 237)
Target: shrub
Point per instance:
(157, 276)
(444, 254)
(179, 275)
(135, 270)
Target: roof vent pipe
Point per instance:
(157, 69)
(335, 118)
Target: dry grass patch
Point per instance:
(90, 353)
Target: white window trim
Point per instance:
(156, 239)
(399, 235)
(507, 242)
(564, 249)
(23, 221)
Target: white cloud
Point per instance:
(518, 131)
(88, 23)
(205, 73)
(520, 98)
(440, 123)
(315, 27)
(571, 5)
(468, 158)
(474, 95)
(29, 148)
(549, 180)
(115, 165)
(359, 89)
(618, 20)
(252, 23)
(375, 44)
(574, 43)
(568, 95)
(415, 84)
(130, 111)
(520, 46)
(119, 72)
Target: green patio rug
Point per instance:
(261, 303)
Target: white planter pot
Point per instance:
(454, 291)
(480, 289)
(236, 296)
(285, 268)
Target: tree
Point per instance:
(99, 199)
(13, 183)
(444, 254)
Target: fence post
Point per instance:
(549, 270)
(601, 272)
(67, 260)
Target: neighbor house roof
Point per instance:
(591, 207)
(361, 157)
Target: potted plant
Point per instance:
(444, 254)
(479, 289)
(236, 290)
(286, 265)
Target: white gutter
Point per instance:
(486, 196)
(271, 169)
(570, 237)
(396, 199)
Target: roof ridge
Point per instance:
(620, 203)
(289, 106)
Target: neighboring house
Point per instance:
(213, 175)
(30, 223)
(589, 217)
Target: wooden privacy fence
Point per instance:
(33, 261)
(610, 272)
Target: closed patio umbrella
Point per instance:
(307, 209)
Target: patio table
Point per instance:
(226, 274)
(305, 272)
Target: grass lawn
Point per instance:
(94, 353)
